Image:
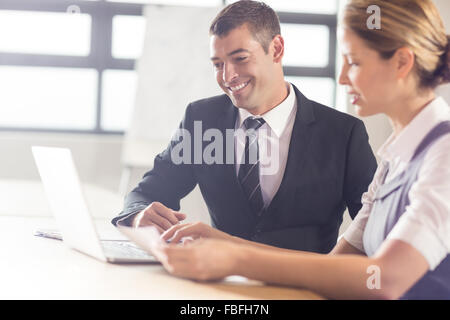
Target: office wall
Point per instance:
(97, 156)
(444, 8)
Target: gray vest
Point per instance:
(390, 202)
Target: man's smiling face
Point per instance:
(243, 69)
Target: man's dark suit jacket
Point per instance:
(330, 164)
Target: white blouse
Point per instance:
(426, 223)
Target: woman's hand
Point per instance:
(194, 230)
(203, 259)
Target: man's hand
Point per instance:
(158, 215)
(193, 230)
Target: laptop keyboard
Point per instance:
(124, 249)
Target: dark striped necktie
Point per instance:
(248, 174)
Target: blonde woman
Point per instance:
(402, 232)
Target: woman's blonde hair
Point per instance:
(415, 24)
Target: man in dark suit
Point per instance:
(290, 166)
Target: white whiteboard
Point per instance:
(174, 70)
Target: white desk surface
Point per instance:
(38, 268)
(27, 198)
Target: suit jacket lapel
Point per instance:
(226, 121)
(298, 149)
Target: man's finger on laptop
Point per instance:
(147, 218)
(180, 216)
(159, 220)
(147, 222)
(169, 215)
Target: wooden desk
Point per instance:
(37, 268)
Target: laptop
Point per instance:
(67, 203)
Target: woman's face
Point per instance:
(371, 80)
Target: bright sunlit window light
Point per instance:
(128, 36)
(118, 96)
(43, 97)
(305, 45)
(318, 89)
(302, 6)
(53, 33)
(197, 3)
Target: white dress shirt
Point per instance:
(274, 137)
(425, 224)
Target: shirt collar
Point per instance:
(405, 144)
(276, 118)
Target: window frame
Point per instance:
(100, 57)
(329, 71)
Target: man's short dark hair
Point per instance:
(261, 20)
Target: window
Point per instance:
(309, 60)
(125, 46)
(35, 32)
(68, 65)
(296, 54)
(199, 3)
(319, 89)
(118, 95)
(48, 97)
(317, 6)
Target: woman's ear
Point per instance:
(404, 62)
(278, 48)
